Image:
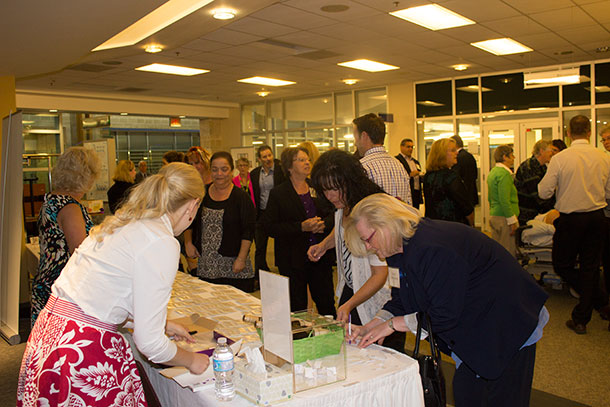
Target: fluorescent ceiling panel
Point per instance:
(430, 103)
(501, 46)
(261, 80)
(172, 69)
(433, 17)
(551, 78)
(368, 65)
(155, 21)
(473, 88)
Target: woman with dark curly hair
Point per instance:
(340, 178)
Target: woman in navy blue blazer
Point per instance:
(485, 310)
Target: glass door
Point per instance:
(521, 136)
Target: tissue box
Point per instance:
(276, 387)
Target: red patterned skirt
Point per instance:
(72, 359)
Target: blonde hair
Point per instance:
(437, 157)
(201, 153)
(76, 170)
(122, 171)
(312, 151)
(157, 195)
(381, 212)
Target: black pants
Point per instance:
(580, 235)
(606, 257)
(319, 278)
(394, 341)
(416, 197)
(260, 244)
(511, 389)
(244, 284)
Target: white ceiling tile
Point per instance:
(354, 11)
(563, 19)
(593, 33)
(255, 53)
(263, 28)
(292, 17)
(181, 52)
(539, 41)
(231, 37)
(529, 6)
(389, 25)
(481, 10)
(463, 51)
(432, 40)
(205, 45)
(599, 11)
(513, 26)
(228, 60)
(348, 32)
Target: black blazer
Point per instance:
(282, 221)
(278, 178)
(466, 168)
(482, 304)
(405, 164)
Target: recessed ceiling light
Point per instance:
(432, 16)
(602, 49)
(350, 81)
(153, 48)
(172, 69)
(429, 103)
(52, 110)
(501, 46)
(460, 67)
(263, 93)
(368, 65)
(182, 116)
(261, 80)
(163, 16)
(223, 13)
(124, 114)
(473, 88)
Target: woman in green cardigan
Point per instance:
(504, 205)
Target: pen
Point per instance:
(349, 327)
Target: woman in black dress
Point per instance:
(124, 178)
(297, 219)
(445, 192)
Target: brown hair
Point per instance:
(288, 156)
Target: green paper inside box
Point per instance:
(314, 336)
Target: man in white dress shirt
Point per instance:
(383, 169)
(580, 177)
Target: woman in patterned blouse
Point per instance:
(63, 222)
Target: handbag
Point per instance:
(432, 378)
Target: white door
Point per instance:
(521, 136)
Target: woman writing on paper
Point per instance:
(485, 310)
(123, 271)
(361, 287)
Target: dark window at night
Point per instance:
(433, 99)
(602, 83)
(506, 93)
(466, 96)
(579, 94)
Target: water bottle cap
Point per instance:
(222, 340)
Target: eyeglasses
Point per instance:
(301, 160)
(368, 240)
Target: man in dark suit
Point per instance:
(466, 168)
(142, 174)
(264, 177)
(413, 168)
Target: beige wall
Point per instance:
(400, 104)
(8, 102)
(221, 134)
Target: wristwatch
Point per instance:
(391, 324)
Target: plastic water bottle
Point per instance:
(222, 360)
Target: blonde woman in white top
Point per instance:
(362, 281)
(122, 274)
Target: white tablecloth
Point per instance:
(376, 376)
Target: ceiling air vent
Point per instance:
(90, 68)
(320, 54)
(132, 90)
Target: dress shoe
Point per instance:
(604, 312)
(580, 329)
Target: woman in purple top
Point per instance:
(297, 219)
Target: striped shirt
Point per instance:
(387, 172)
